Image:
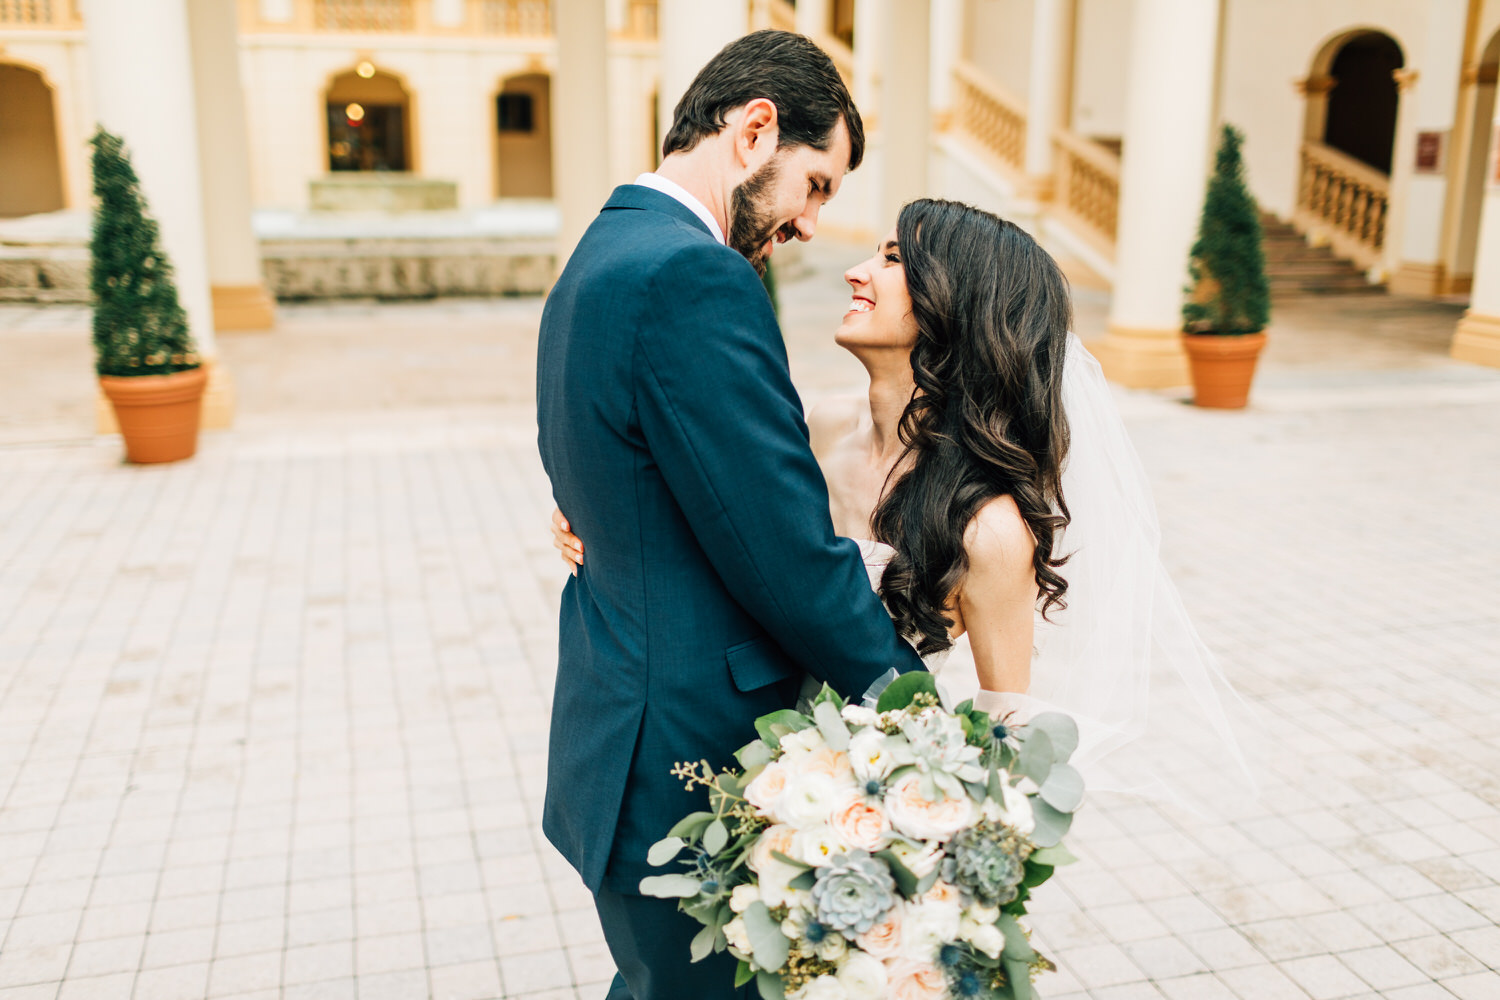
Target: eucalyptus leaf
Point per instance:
(703, 943)
(806, 880)
(691, 826)
(1016, 945)
(1051, 825)
(1018, 975)
(1063, 789)
(900, 692)
(1035, 760)
(787, 859)
(770, 986)
(1056, 856)
(1035, 874)
(664, 850)
(777, 724)
(753, 754)
(715, 837)
(1061, 730)
(831, 725)
(829, 695)
(670, 886)
(767, 943)
(906, 880)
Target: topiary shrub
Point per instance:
(140, 327)
(1229, 292)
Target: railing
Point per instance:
(1086, 191)
(39, 14)
(364, 15)
(516, 18)
(642, 19)
(1344, 200)
(990, 116)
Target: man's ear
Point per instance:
(758, 133)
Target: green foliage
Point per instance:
(140, 327)
(1229, 292)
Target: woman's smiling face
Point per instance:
(879, 314)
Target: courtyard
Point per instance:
(273, 721)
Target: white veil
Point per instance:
(1156, 715)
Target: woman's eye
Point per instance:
(891, 258)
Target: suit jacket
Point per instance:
(675, 443)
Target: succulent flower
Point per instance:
(853, 892)
(987, 863)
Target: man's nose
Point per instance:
(806, 224)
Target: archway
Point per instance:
(1473, 173)
(1353, 97)
(369, 121)
(29, 159)
(523, 137)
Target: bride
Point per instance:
(1001, 509)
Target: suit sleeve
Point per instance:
(724, 423)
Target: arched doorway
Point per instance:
(29, 159)
(1359, 95)
(369, 121)
(1473, 174)
(523, 137)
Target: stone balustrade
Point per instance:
(54, 14)
(1343, 201)
(990, 116)
(1086, 192)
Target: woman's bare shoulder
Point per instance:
(998, 541)
(832, 417)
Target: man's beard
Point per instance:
(751, 223)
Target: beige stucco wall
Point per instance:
(1100, 65)
(1269, 44)
(998, 41)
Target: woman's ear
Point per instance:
(758, 133)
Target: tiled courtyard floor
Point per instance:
(272, 722)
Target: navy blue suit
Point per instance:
(675, 444)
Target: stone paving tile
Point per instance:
(272, 722)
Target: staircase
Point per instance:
(1298, 269)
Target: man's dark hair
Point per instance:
(785, 68)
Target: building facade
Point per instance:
(1370, 124)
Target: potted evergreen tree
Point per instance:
(148, 367)
(1229, 297)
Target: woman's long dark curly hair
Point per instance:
(986, 420)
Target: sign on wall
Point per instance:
(1430, 146)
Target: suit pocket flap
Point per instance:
(756, 663)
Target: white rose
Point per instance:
(922, 818)
(981, 914)
(1014, 812)
(742, 896)
(926, 927)
(863, 976)
(986, 937)
(767, 788)
(807, 800)
(859, 715)
(817, 845)
(738, 936)
(822, 988)
(806, 740)
(870, 755)
(832, 947)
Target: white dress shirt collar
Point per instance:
(672, 189)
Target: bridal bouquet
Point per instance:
(867, 853)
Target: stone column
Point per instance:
(1047, 91)
(141, 68)
(580, 120)
(871, 18)
(906, 113)
(691, 33)
(946, 51)
(1477, 338)
(236, 283)
(1415, 258)
(1163, 176)
(812, 18)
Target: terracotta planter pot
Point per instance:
(1223, 367)
(158, 414)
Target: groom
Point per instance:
(675, 443)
